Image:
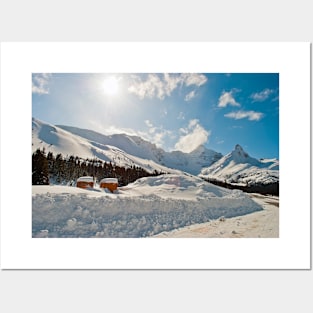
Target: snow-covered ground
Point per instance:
(144, 208)
(260, 224)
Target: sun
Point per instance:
(110, 86)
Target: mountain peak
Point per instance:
(237, 167)
(239, 152)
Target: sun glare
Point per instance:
(110, 86)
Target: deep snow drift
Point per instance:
(144, 208)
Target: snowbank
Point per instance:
(260, 224)
(147, 207)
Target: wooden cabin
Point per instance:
(85, 182)
(109, 183)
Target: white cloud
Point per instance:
(157, 86)
(40, 83)
(152, 87)
(193, 123)
(193, 136)
(227, 98)
(190, 95)
(152, 129)
(156, 135)
(262, 95)
(171, 83)
(183, 131)
(250, 115)
(194, 79)
(148, 123)
(158, 139)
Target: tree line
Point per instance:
(265, 189)
(49, 168)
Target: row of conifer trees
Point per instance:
(47, 168)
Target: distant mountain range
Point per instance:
(122, 149)
(237, 167)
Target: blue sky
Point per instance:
(176, 111)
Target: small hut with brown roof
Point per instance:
(85, 182)
(109, 183)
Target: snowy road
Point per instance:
(260, 224)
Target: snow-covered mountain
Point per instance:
(58, 140)
(237, 167)
(191, 162)
(121, 149)
(133, 145)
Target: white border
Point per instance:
(290, 251)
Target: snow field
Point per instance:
(145, 208)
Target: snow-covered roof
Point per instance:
(109, 180)
(85, 179)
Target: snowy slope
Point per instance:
(144, 208)
(191, 162)
(237, 167)
(58, 140)
(131, 144)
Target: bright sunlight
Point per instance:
(110, 86)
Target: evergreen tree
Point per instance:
(68, 169)
(59, 168)
(40, 172)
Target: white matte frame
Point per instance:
(290, 251)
